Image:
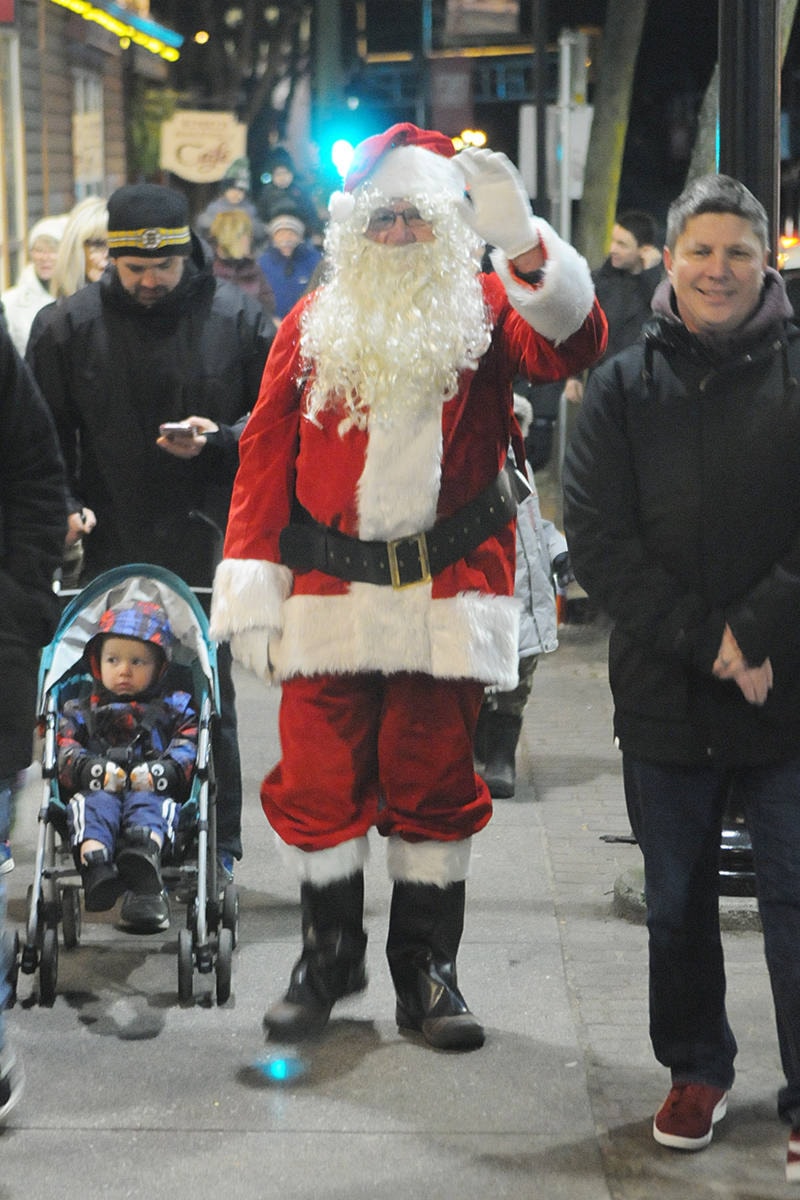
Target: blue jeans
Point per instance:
(680, 816)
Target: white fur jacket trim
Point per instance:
(558, 306)
(439, 863)
(320, 867)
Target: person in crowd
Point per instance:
(283, 189)
(83, 251)
(369, 559)
(625, 284)
(235, 198)
(158, 339)
(125, 756)
(32, 290)
(542, 560)
(290, 259)
(33, 517)
(81, 258)
(682, 513)
(231, 236)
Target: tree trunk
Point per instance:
(621, 36)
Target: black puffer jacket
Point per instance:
(682, 512)
(33, 523)
(112, 371)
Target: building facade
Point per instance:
(68, 72)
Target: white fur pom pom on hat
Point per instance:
(341, 205)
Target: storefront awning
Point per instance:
(128, 26)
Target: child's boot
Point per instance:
(102, 885)
(139, 862)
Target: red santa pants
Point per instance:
(394, 751)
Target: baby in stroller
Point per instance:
(125, 757)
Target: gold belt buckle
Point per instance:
(421, 543)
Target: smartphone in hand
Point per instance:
(177, 429)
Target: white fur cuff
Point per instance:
(561, 303)
(319, 867)
(439, 863)
(248, 594)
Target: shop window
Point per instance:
(12, 193)
(88, 149)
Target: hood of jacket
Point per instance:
(666, 331)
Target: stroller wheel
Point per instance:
(71, 916)
(185, 965)
(48, 967)
(230, 911)
(224, 965)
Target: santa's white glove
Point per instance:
(497, 207)
(141, 779)
(251, 650)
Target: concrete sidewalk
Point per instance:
(131, 1094)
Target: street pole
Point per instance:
(423, 106)
(539, 29)
(567, 48)
(749, 100)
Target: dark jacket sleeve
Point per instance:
(33, 508)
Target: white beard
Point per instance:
(387, 337)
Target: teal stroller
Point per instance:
(189, 866)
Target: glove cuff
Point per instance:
(523, 242)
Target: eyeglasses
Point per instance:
(383, 219)
(98, 244)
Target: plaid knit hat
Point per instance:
(143, 620)
(148, 221)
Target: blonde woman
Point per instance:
(231, 236)
(83, 252)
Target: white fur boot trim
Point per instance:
(439, 863)
(320, 867)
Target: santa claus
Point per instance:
(369, 559)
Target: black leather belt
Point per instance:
(306, 545)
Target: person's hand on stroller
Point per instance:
(191, 445)
(79, 523)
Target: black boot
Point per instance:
(102, 886)
(425, 930)
(332, 963)
(139, 862)
(500, 746)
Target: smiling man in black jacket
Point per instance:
(682, 511)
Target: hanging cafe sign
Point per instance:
(199, 146)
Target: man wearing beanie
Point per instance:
(158, 339)
(369, 560)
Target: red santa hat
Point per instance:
(403, 160)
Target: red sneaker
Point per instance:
(793, 1157)
(687, 1117)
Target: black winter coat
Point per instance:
(682, 512)
(33, 524)
(625, 298)
(112, 370)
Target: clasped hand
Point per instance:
(754, 683)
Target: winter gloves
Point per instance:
(94, 773)
(497, 208)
